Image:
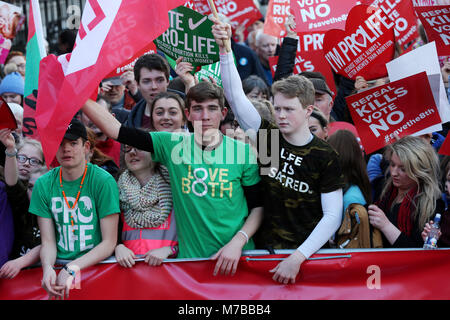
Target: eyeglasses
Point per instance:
(127, 149)
(33, 161)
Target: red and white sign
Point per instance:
(436, 21)
(365, 46)
(402, 14)
(276, 16)
(240, 12)
(309, 58)
(323, 15)
(401, 107)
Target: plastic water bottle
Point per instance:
(433, 236)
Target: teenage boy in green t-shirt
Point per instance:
(77, 205)
(214, 179)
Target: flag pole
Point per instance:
(214, 11)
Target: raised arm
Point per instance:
(11, 170)
(110, 126)
(104, 120)
(244, 111)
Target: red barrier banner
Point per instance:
(402, 14)
(313, 15)
(309, 58)
(347, 275)
(365, 46)
(436, 21)
(402, 107)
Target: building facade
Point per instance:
(57, 15)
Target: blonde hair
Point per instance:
(264, 108)
(296, 86)
(34, 143)
(421, 164)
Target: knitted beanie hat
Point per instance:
(13, 82)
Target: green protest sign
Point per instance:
(206, 72)
(211, 70)
(189, 36)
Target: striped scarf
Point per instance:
(147, 206)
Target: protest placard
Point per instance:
(420, 3)
(276, 16)
(242, 13)
(364, 47)
(401, 107)
(11, 21)
(436, 22)
(189, 36)
(309, 57)
(210, 72)
(402, 14)
(320, 15)
(406, 65)
(7, 119)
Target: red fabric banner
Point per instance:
(364, 47)
(436, 21)
(129, 64)
(345, 276)
(403, 107)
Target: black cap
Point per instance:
(115, 81)
(75, 130)
(321, 86)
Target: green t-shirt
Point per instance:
(209, 202)
(98, 199)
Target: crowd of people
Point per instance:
(164, 166)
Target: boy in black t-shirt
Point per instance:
(303, 181)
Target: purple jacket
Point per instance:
(6, 226)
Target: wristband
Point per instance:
(69, 271)
(11, 155)
(174, 251)
(245, 234)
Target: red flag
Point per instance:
(110, 33)
(7, 119)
